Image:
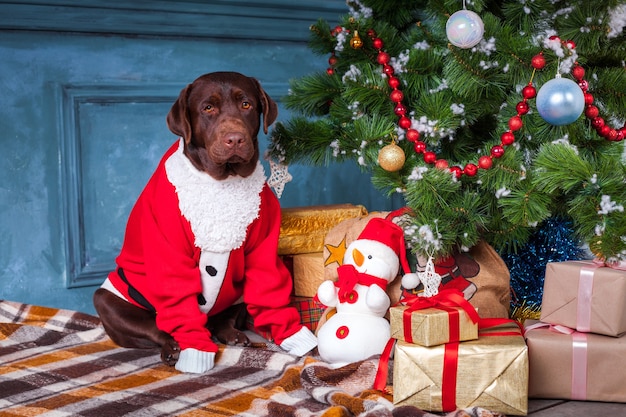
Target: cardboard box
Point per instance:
(431, 326)
(584, 296)
(303, 229)
(491, 372)
(576, 366)
(308, 273)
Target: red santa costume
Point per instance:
(194, 246)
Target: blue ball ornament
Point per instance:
(560, 101)
(465, 29)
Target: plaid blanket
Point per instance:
(56, 362)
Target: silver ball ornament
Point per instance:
(465, 29)
(560, 101)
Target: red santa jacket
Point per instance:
(195, 245)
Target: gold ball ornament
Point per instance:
(391, 158)
(356, 42)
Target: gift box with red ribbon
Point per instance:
(586, 296)
(430, 321)
(489, 372)
(566, 364)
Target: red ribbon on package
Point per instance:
(451, 360)
(579, 357)
(448, 300)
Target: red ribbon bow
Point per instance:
(448, 300)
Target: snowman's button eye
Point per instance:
(369, 256)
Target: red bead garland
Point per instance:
(515, 123)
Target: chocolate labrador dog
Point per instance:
(203, 236)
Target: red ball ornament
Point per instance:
(457, 171)
(515, 123)
(620, 135)
(584, 85)
(412, 135)
(529, 92)
(430, 157)
(393, 82)
(604, 131)
(333, 60)
(591, 112)
(371, 33)
(497, 151)
(404, 122)
(507, 138)
(522, 107)
(612, 135)
(388, 70)
(485, 162)
(338, 29)
(588, 98)
(383, 58)
(441, 164)
(578, 72)
(419, 147)
(570, 44)
(538, 61)
(330, 71)
(470, 170)
(399, 110)
(597, 122)
(396, 96)
(377, 43)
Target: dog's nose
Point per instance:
(232, 140)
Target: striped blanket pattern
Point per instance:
(59, 363)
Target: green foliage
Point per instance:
(461, 101)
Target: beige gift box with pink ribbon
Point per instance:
(585, 296)
(565, 364)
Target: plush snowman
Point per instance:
(359, 329)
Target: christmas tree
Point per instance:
(489, 118)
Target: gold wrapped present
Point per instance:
(430, 321)
(585, 296)
(303, 229)
(565, 364)
(490, 372)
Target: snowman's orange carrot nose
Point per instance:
(358, 257)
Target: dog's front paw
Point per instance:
(232, 337)
(170, 352)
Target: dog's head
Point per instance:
(219, 116)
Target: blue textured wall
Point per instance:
(85, 89)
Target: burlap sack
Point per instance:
(480, 274)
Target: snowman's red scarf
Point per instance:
(348, 277)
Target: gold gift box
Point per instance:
(552, 366)
(431, 326)
(607, 307)
(303, 229)
(492, 372)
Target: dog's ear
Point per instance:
(178, 117)
(270, 109)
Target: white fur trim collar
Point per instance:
(219, 211)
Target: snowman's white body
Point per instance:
(358, 330)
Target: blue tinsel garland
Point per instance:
(552, 242)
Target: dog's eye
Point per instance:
(246, 105)
(209, 108)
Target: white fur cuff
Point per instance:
(195, 361)
(300, 342)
